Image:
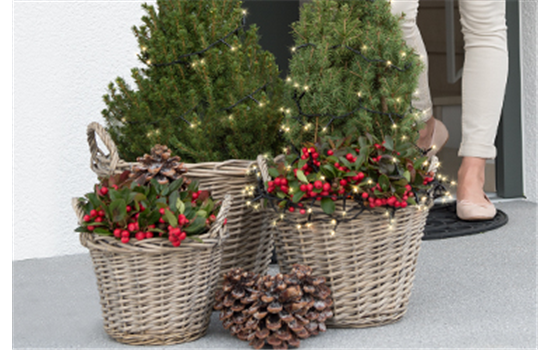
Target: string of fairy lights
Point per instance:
(352, 205)
(184, 60)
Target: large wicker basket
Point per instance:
(250, 242)
(152, 293)
(369, 261)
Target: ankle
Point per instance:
(471, 179)
(425, 134)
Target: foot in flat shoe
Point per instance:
(468, 211)
(472, 203)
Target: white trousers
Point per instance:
(484, 74)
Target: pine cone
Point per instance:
(283, 309)
(233, 300)
(159, 165)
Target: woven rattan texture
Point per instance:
(369, 261)
(250, 243)
(152, 293)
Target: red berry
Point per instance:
(337, 165)
(326, 186)
(330, 152)
(149, 234)
(343, 182)
(117, 232)
(284, 182)
(162, 211)
(128, 208)
(101, 213)
(103, 191)
(195, 195)
(212, 217)
(365, 195)
(182, 236)
(125, 240)
(378, 202)
(315, 155)
(131, 227)
(225, 221)
(125, 233)
(90, 228)
(140, 235)
(284, 189)
(98, 219)
(303, 188)
(277, 181)
(93, 212)
(310, 187)
(349, 156)
(115, 187)
(176, 243)
(318, 184)
(291, 209)
(161, 220)
(302, 211)
(392, 200)
(87, 218)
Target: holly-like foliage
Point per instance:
(124, 209)
(207, 89)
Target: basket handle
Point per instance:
(219, 230)
(97, 155)
(79, 211)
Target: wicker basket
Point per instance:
(152, 293)
(369, 262)
(250, 242)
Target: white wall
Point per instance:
(65, 54)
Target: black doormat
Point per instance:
(442, 222)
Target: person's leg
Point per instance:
(413, 38)
(484, 78)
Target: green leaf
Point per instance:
(196, 239)
(180, 205)
(81, 229)
(273, 173)
(297, 196)
(102, 231)
(389, 142)
(168, 216)
(173, 200)
(384, 182)
(174, 186)
(328, 205)
(407, 175)
(301, 176)
(197, 226)
(202, 213)
(118, 209)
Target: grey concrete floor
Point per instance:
(477, 291)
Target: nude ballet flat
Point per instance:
(440, 136)
(468, 211)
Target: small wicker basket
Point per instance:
(250, 242)
(369, 262)
(152, 293)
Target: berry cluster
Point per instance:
(144, 212)
(375, 175)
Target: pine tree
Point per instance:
(351, 74)
(207, 89)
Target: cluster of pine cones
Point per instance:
(159, 165)
(278, 310)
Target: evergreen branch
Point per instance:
(180, 59)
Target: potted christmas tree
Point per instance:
(156, 242)
(351, 194)
(211, 93)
